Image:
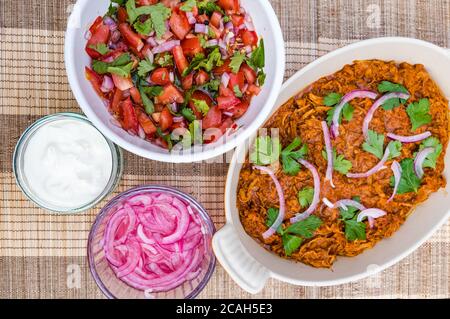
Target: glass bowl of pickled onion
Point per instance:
(152, 242)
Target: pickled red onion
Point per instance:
(371, 214)
(329, 150)
(420, 158)
(397, 170)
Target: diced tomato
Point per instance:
(166, 119)
(179, 24)
(181, 124)
(229, 5)
(237, 20)
(161, 142)
(202, 18)
(131, 37)
(240, 109)
(130, 121)
(253, 89)
(201, 96)
(95, 79)
(227, 102)
(249, 37)
(160, 76)
(170, 94)
(101, 36)
(249, 73)
(201, 78)
(187, 81)
(224, 91)
(225, 67)
(135, 95)
(122, 83)
(156, 116)
(211, 135)
(236, 79)
(216, 18)
(228, 123)
(180, 60)
(213, 118)
(122, 15)
(115, 103)
(98, 22)
(146, 123)
(170, 3)
(146, 50)
(191, 46)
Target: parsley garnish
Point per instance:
(143, 28)
(199, 61)
(258, 59)
(123, 71)
(148, 103)
(159, 13)
(353, 229)
(340, 164)
(208, 7)
(431, 159)
(100, 48)
(395, 149)
(188, 114)
(102, 67)
(236, 62)
(389, 87)
(153, 90)
(291, 154)
(419, 113)
(374, 144)
(266, 150)
(409, 181)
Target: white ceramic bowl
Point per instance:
(250, 265)
(267, 26)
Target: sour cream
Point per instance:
(67, 163)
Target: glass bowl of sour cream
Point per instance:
(64, 164)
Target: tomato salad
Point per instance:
(170, 69)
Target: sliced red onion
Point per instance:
(420, 158)
(171, 77)
(242, 26)
(280, 192)
(87, 35)
(141, 133)
(107, 84)
(212, 43)
(152, 41)
(316, 197)
(229, 114)
(327, 202)
(115, 36)
(344, 203)
(174, 107)
(110, 23)
(329, 150)
(149, 55)
(190, 17)
(245, 88)
(409, 139)
(178, 119)
(228, 37)
(229, 26)
(371, 214)
(346, 99)
(166, 46)
(377, 104)
(374, 169)
(201, 28)
(397, 170)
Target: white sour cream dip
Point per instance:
(67, 163)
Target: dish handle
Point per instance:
(243, 269)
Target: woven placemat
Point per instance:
(42, 253)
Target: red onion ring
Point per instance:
(327, 202)
(329, 150)
(371, 214)
(377, 104)
(316, 197)
(409, 139)
(374, 169)
(420, 158)
(346, 99)
(281, 213)
(397, 170)
(166, 46)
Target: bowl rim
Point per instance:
(183, 157)
(243, 150)
(152, 187)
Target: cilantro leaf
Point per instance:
(188, 5)
(145, 67)
(148, 103)
(355, 230)
(159, 13)
(123, 71)
(258, 57)
(237, 91)
(395, 149)
(102, 67)
(419, 113)
(201, 106)
(350, 212)
(305, 196)
(208, 7)
(164, 59)
(261, 78)
(100, 48)
(153, 90)
(199, 61)
(212, 86)
(290, 155)
(236, 61)
(332, 99)
(188, 114)
(266, 150)
(340, 164)
(374, 144)
(291, 243)
(431, 159)
(306, 227)
(272, 214)
(409, 182)
(143, 28)
(389, 87)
